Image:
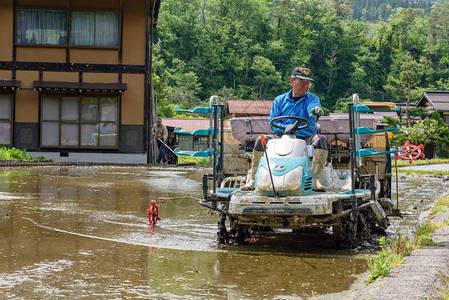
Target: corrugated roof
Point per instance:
(189, 124)
(438, 99)
(251, 107)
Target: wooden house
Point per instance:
(75, 80)
(436, 101)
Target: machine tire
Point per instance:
(230, 232)
(345, 231)
(222, 233)
(369, 227)
(337, 230)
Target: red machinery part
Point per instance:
(410, 152)
(153, 214)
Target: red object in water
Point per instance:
(153, 214)
(410, 152)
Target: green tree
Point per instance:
(431, 131)
(266, 75)
(251, 46)
(410, 72)
(183, 86)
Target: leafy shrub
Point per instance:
(7, 153)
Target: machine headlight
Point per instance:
(263, 179)
(289, 181)
(293, 179)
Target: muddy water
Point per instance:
(80, 232)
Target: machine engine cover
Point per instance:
(287, 146)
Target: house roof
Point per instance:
(157, 5)
(438, 99)
(250, 107)
(189, 124)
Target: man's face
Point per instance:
(300, 86)
(159, 123)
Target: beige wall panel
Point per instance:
(27, 101)
(27, 106)
(134, 32)
(133, 100)
(5, 75)
(97, 4)
(100, 77)
(41, 54)
(6, 29)
(27, 77)
(93, 56)
(42, 3)
(61, 76)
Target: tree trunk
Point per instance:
(408, 104)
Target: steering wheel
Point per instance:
(291, 127)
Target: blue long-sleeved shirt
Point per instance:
(284, 105)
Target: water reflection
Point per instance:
(81, 232)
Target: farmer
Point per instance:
(160, 133)
(297, 102)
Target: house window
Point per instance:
(79, 122)
(41, 27)
(94, 28)
(5, 119)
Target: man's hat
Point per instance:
(302, 73)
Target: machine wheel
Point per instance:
(369, 227)
(361, 227)
(345, 231)
(236, 234)
(337, 231)
(222, 233)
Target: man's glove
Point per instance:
(155, 135)
(317, 111)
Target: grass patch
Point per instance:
(391, 254)
(201, 161)
(432, 172)
(395, 248)
(7, 153)
(441, 205)
(443, 286)
(420, 162)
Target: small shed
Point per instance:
(249, 108)
(190, 134)
(436, 101)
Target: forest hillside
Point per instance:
(247, 49)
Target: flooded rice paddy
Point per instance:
(80, 232)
